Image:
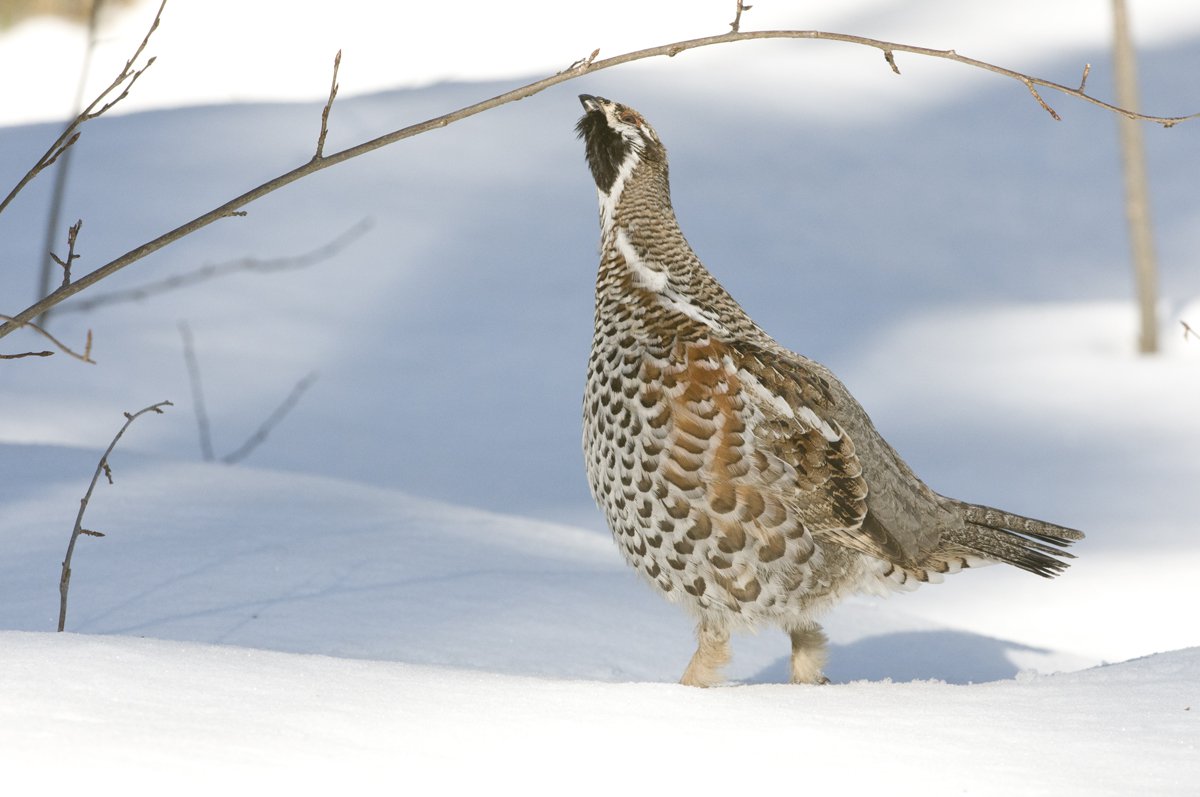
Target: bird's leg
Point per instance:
(711, 655)
(808, 655)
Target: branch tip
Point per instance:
(736, 25)
(333, 90)
(1045, 106)
(70, 134)
(26, 354)
(582, 65)
(16, 323)
(890, 57)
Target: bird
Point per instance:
(742, 479)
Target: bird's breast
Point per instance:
(674, 462)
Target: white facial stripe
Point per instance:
(651, 279)
(608, 202)
(684, 307)
(657, 281)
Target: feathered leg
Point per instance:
(712, 653)
(808, 655)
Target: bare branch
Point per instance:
(72, 234)
(529, 90)
(333, 90)
(26, 354)
(272, 421)
(64, 582)
(132, 78)
(217, 270)
(582, 64)
(1087, 70)
(736, 25)
(1187, 330)
(59, 191)
(1032, 90)
(61, 149)
(127, 77)
(87, 350)
(193, 369)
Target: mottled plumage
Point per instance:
(743, 480)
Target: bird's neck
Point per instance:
(650, 276)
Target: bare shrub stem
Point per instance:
(87, 349)
(124, 81)
(64, 583)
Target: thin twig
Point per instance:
(64, 582)
(1045, 107)
(1087, 70)
(333, 90)
(217, 270)
(529, 90)
(87, 349)
(582, 64)
(193, 369)
(72, 234)
(272, 420)
(736, 25)
(26, 354)
(890, 57)
(127, 77)
(1187, 330)
(59, 190)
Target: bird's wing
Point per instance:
(822, 466)
(746, 435)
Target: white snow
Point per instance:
(407, 588)
(495, 649)
(160, 714)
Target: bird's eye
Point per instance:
(629, 118)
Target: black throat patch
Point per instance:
(606, 148)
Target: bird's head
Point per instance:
(617, 139)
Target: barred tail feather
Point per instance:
(1032, 545)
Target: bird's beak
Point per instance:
(589, 102)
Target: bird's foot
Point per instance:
(712, 653)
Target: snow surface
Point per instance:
(159, 714)
(438, 648)
(408, 580)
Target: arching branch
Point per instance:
(87, 349)
(123, 81)
(578, 69)
(102, 467)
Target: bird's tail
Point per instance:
(1033, 545)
